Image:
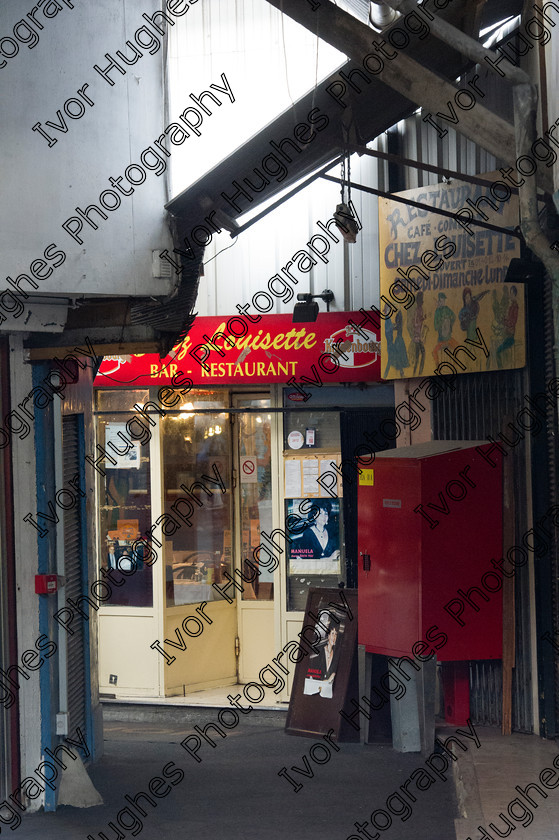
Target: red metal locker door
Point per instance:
(389, 594)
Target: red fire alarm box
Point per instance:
(430, 523)
(46, 584)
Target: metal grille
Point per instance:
(486, 684)
(74, 579)
(553, 464)
(7, 615)
(482, 405)
(358, 8)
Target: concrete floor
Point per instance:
(487, 781)
(235, 792)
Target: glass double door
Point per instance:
(216, 455)
(253, 480)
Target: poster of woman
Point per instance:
(315, 545)
(324, 664)
(327, 677)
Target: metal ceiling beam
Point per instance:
(409, 78)
(369, 110)
(427, 167)
(104, 343)
(428, 207)
(454, 37)
(284, 198)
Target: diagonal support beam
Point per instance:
(407, 77)
(425, 167)
(430, 209)
(465, 44)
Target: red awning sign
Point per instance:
(272, 350)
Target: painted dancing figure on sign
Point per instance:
(443, 321)
(469, 312)
(468, 316)
(509, 323)
(418, 332)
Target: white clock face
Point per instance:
(295, 440)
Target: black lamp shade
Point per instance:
(305, 312)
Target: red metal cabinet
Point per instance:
(416, 566)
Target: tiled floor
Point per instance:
(212, 697)
(486, 782)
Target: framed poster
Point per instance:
(327, 676)
(314, 528)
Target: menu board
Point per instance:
(302, 473)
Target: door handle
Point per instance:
(366, 562)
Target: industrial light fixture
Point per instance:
(307, 310)
(344, 217)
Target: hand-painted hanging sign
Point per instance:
(444, 304)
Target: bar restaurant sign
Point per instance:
(272, 350)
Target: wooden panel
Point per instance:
(509, 618)
(209, 657)
(256, 632)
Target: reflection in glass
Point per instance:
(255, 473)
(306, 567)
(197, 499)
(125, 497)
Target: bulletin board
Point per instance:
(301, 474)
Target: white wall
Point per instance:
(22, 451)
(42, 186)
(269, 63)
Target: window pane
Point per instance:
(116, 399)
(326, 425)
(197, 529)
(125, 499)
(316, 550)
(255, 494)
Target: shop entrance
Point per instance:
(223, 459)
(253, 503)
(201, 447)
(202, 487)
(198, 493)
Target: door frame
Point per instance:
(244, 606)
